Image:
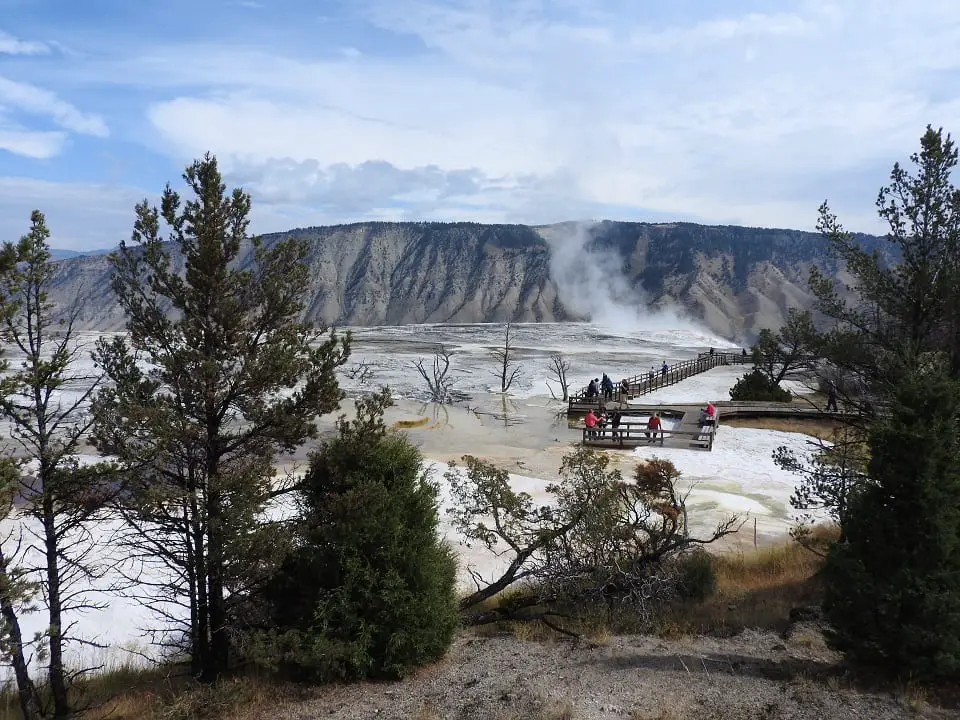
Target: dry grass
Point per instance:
(755, 589)
(133, 693)
(816, 427)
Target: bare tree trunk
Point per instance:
(219, 639)
(438, 381)
(58, 685)
(26, 690)
(559, 369)
(508, 370)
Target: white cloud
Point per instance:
(555, 111)
(37, 101)
(39, 145)
(10, 45)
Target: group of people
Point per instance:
(605, 386)
(597, 422)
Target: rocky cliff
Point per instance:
(734, 280)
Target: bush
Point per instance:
(371, 591)
(755, 386)
(892, 589)
(697, 579)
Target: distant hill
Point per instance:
(735, 280)
(59, 254)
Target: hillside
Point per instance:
(735, 280)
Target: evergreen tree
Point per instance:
(370, 590)
(893, 587)
(893, 584)
(216, 377)
(47, 425)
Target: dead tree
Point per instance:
(559, 367)
(507, 370)
(438, 377)
(361, 372)
(600, 541)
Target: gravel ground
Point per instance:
(753, 675)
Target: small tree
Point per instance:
(756, 386)
(370, 590)
(829, 477)
(507, 370)
(794, 347)
(559, 367)
(599, 540)
(47, 425)
(437, 378)
(16, 594)
(893, 587)
(216, 377)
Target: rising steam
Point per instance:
(592, 283)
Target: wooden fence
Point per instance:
(629, 436)
(643, 384)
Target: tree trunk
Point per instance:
(58, 685)
(27, 692)
(219, 639)
(200, 642)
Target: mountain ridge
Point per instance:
(732, 280)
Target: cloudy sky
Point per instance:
(744, 111)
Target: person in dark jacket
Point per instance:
(592, 391)
(615, 424)
(607, 386)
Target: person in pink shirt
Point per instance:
(711, 410)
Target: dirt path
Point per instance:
(751, 676)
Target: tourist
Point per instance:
(615, 424)
(653, 426)
(607, 385)
(592, 390)
(625, 389)
(664, 369)
(832, 398)
(590, 421)
(711, 351)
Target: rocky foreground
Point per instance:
(751, 676)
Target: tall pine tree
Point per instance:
(893, 583)
(893, 587)
(216, 377)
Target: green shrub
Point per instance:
(756, 387)
(371, 590)
(697, 579)
(892, 589)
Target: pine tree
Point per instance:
(893, 587)
(370, 589)
(47, 426)
(216, 377)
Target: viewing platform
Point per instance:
(639, 385)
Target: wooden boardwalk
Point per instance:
(642, 384)
(688, 433)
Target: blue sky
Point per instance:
(492, 110)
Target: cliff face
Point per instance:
(734, 280)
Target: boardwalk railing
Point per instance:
(643, 384)
(636, 435)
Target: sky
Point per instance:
(743, 112)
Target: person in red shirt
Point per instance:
(653, 426)
(590, 420)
